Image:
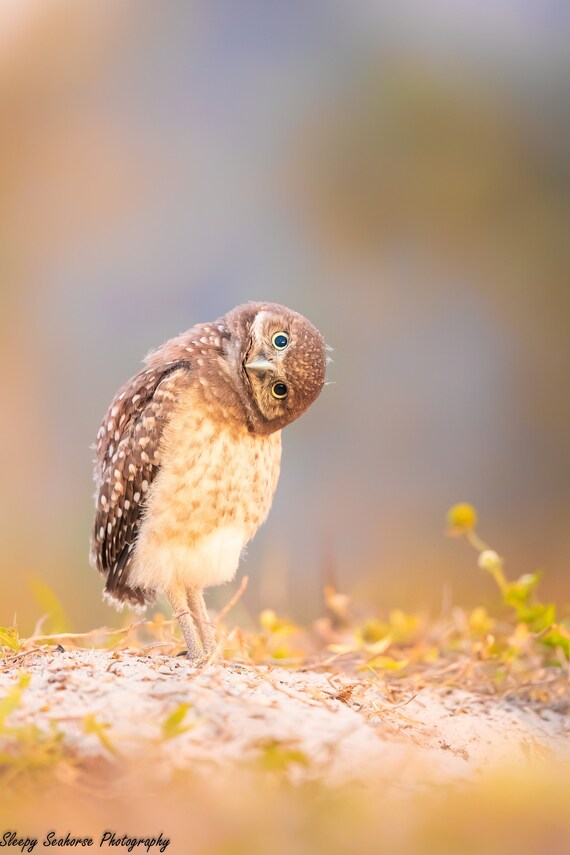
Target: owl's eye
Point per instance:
(280, 340)
(279, 390)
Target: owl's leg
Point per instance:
(177, 600)
(202, 621)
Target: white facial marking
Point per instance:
(258, 322)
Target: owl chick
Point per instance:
(188, 457)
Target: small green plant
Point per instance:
(26, 748)
(274, 641)
(540, 619)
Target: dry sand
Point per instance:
(347, 729)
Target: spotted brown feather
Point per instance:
(128, 460)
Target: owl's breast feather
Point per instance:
(213, 491)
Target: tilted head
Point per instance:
(280, 359)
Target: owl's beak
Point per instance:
(260, 366)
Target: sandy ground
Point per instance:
(345, 728)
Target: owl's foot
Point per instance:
(198, 631)
(202, 621)
(180, 608)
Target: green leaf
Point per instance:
(403, 627)
(99, 729)
(9, 638)
(373, 630)
(385, 663)
(51, 604)
(277, 756)
(519, 592)
(172, 725)
(558, 637)
(11, 701)
(272, 624)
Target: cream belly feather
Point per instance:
(213, 491)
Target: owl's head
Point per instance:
(280, 360)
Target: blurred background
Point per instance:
(398, 172)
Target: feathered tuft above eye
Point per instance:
(280, 340)
(279, 391)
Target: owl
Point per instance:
(188, 458)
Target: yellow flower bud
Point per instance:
(461, 518)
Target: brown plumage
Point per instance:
(188, 457)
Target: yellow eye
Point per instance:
(280, 340)
(279, 390)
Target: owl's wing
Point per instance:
(128, 460)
